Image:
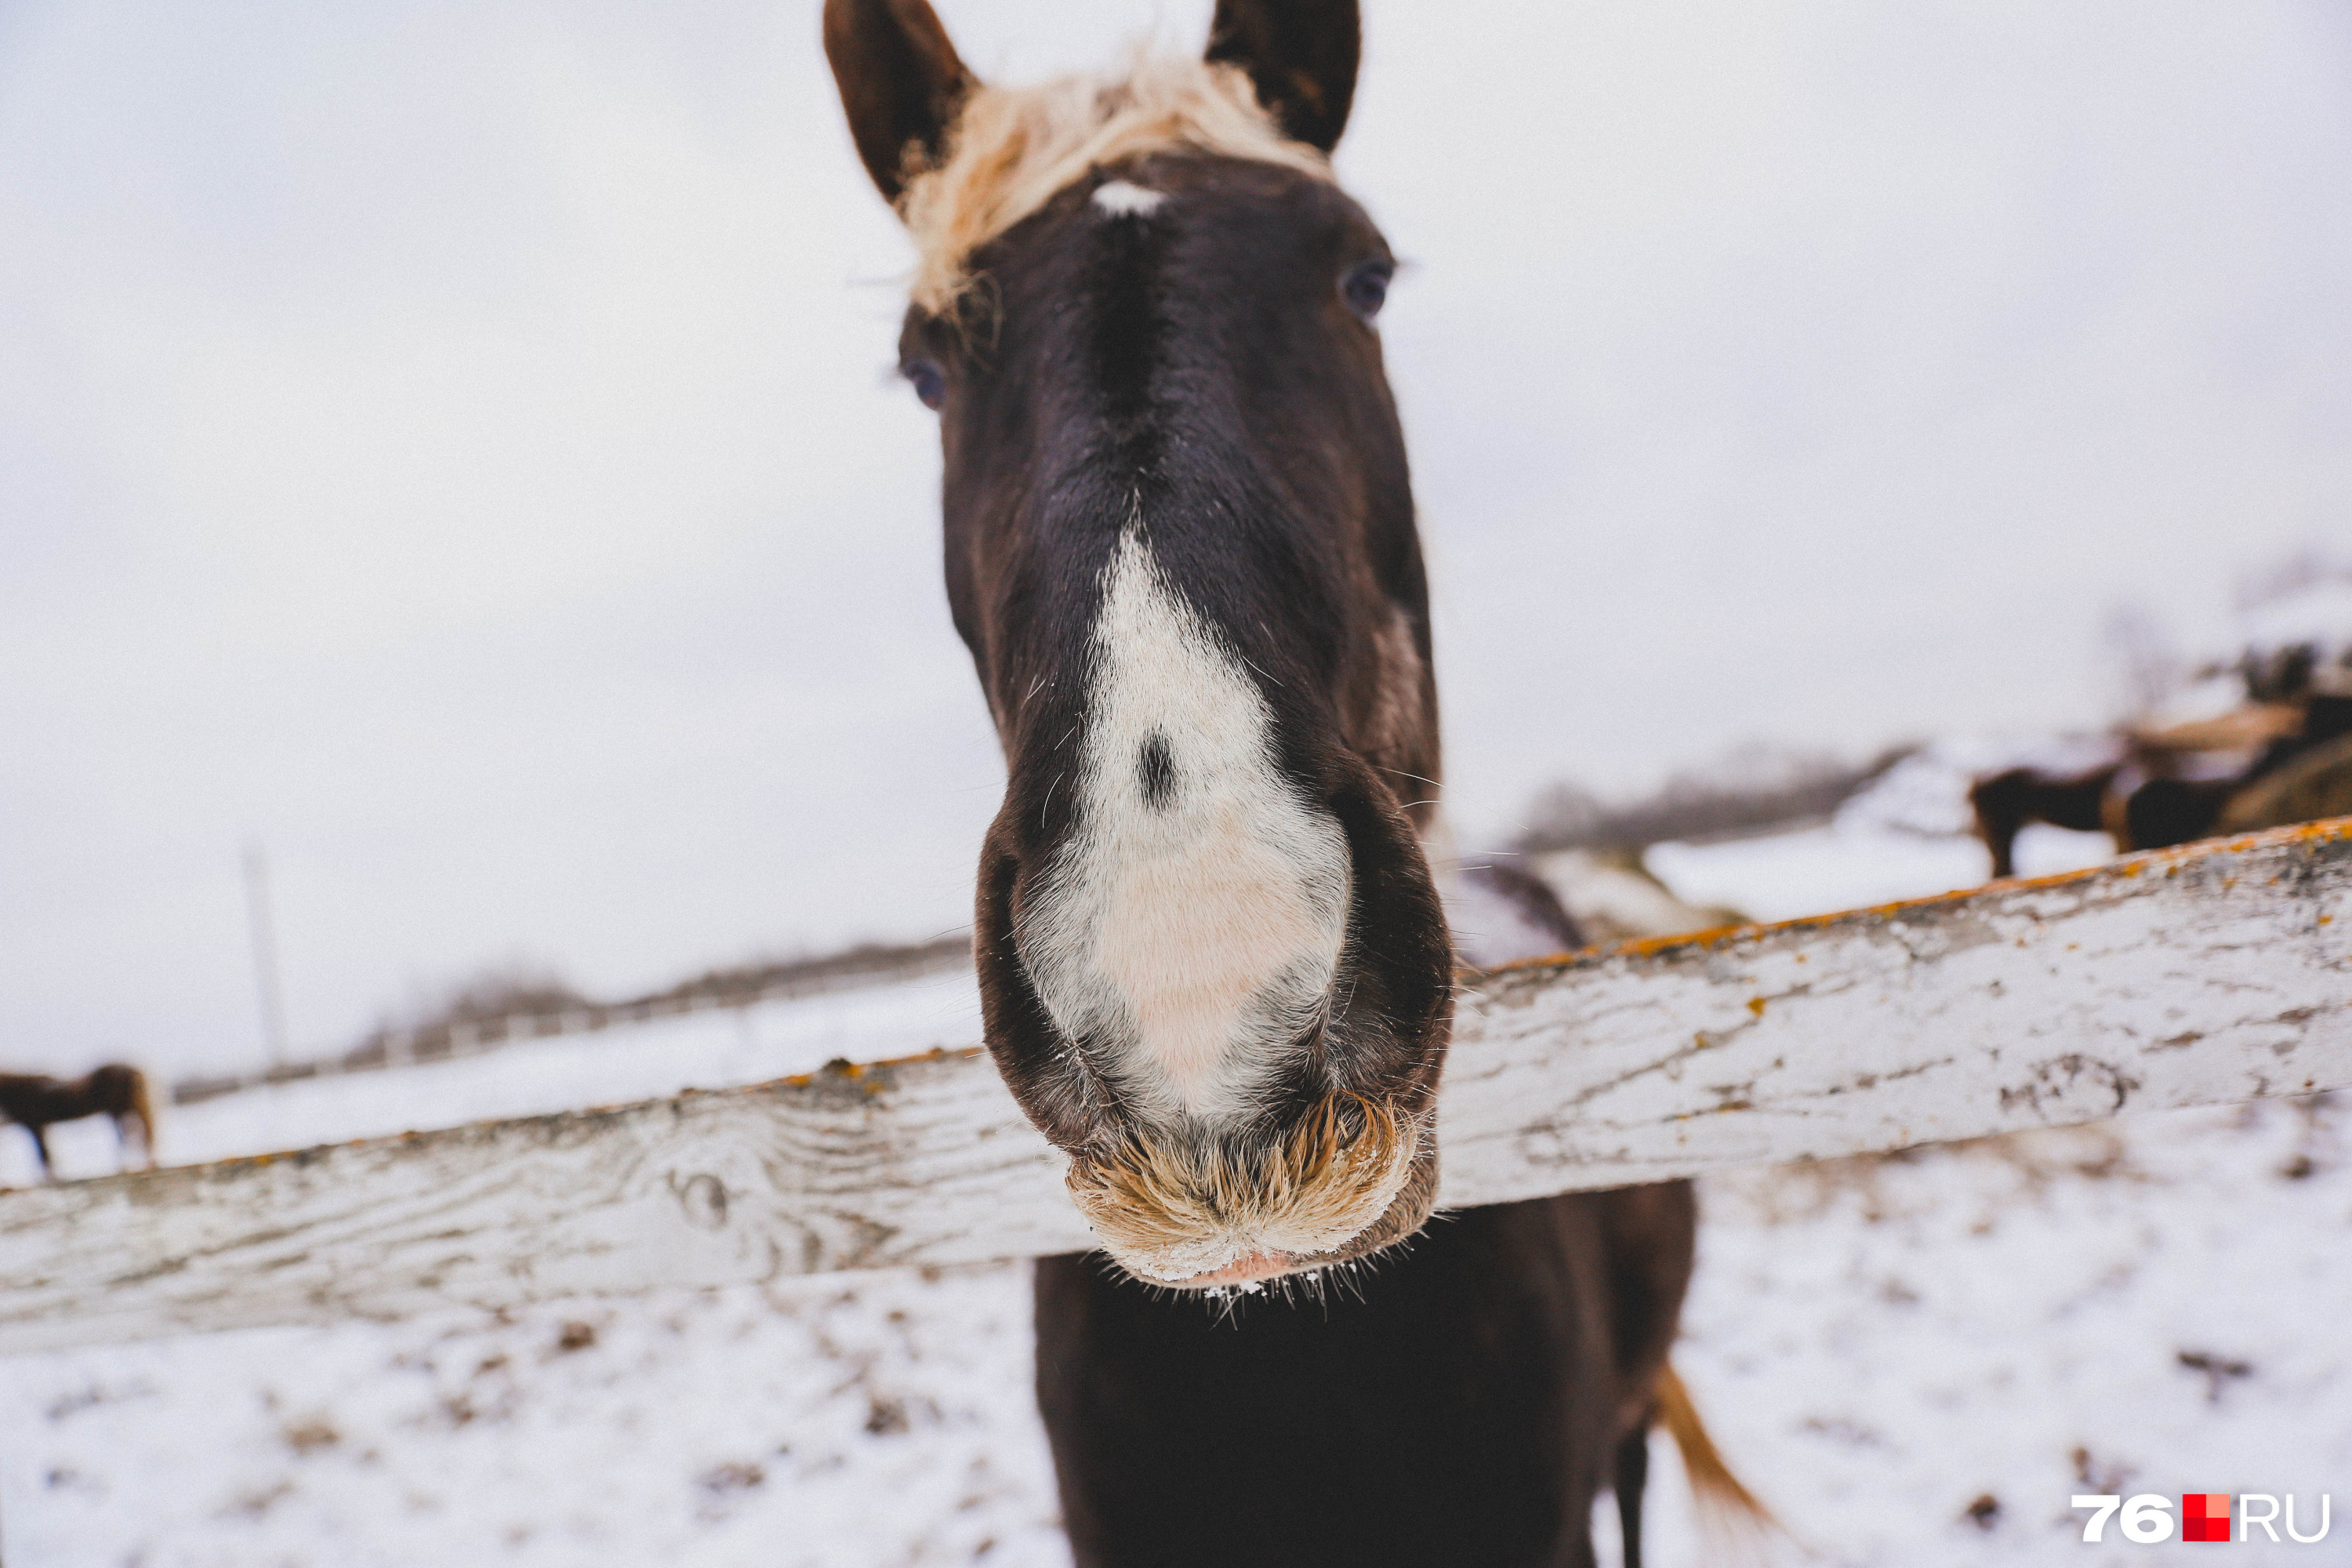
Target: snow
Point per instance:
(874, 1418)
(1905, 836)
(1783, 876)
(1877, 1344)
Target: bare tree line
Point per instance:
(520, 1002)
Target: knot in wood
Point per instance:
(703, 1198)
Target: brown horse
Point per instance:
(34, 1104)
(2169, 787)
(1214, 967)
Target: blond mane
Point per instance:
(1013, 147)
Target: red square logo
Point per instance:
(2205, 1516)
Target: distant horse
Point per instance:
(2169, 786)
(35, 1102)
(1214, 967)
(2006, 801)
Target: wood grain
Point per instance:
(2213, 973)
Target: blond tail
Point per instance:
(142, 1110)
(1730, 1516)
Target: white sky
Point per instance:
(454, 446)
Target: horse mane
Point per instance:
(1014, 147)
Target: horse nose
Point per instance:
(1190, 1208)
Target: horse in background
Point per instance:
(2282, 755)
(35, 1103)
(1216, 968)
(2006, 801)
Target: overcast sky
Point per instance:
(452, 445)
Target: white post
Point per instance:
(266, 984)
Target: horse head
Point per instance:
(1181, 547)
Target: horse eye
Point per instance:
(929, 382)
(1365, 286)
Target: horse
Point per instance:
(33, 1102)
(1216, 968)
(2006, 801)
(2167, 786)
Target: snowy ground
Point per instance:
(1881, 1345)
(1907, 836)
(2154, 1305)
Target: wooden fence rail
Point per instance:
(2218, 972)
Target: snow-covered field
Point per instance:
(1881, 1345)
(1909, 836)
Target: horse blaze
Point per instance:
(2205, 1516)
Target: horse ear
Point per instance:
(900, 82)
(1301, 57)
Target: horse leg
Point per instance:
(132, 1137)
(1652, 1237)
(41, 1147)
(2000, 806)
(1632, 1475)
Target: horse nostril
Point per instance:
(1155, 769)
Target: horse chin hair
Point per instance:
(1172, 1209)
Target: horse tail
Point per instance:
(141, 1109)
(1730, 1516)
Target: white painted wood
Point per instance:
(2208, 975)
(2213, 973)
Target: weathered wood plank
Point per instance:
(2209, 974)
(2214, 973)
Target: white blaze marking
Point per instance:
(1195, 931)
(1124, 198)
